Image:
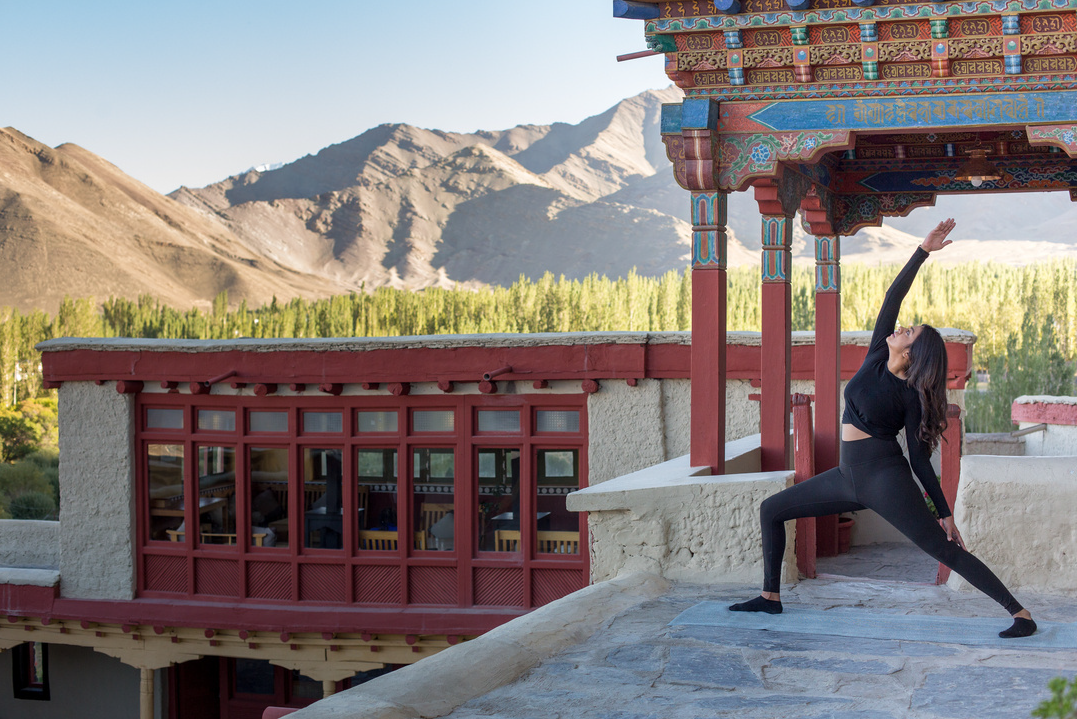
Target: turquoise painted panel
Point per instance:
(1005, 108)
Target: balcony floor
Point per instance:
(639, 667)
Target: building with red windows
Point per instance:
(264, 522)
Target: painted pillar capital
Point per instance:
(827, 264)
(709, 212)
(690, 134)
(777, 248)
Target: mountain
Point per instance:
(73, 224)
(411, 208)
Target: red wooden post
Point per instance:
(708, 330)
(698, 141)
(827, 374)
(804, 468)
(951, 467)
(776, 344)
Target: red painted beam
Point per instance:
(250, 616)
(598, 361)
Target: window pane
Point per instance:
(432, 499)
(376, 499)
(216, 495)
(323, 507)
(304, 688)
(499, 421)
(442, 420)
(164, 418)
(547, 420)
(323, 422)
(376, 421)
(216, 419)
(36, 671)
(558, 475)
(269, 421)
(499, 500)
(164, 474)
(269, 496)
(254, 676)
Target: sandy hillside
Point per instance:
(73, 224)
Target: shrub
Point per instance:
(33, 505)
(21, 478)
(1032, 364)
(1063, 701)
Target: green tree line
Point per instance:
(1010, 309)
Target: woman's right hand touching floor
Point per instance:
(936, 239)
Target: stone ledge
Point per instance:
(436, 685)
(25, 577)
(1016, 514)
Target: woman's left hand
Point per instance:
(951, 531)
(936, 239)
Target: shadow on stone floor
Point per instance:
(901, 562)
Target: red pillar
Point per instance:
(804, 467)
(827, 373)
(777, 343)
(708, 330)
(951, 467)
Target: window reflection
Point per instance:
(323, 508)
(216, 495)
(375, 492)
(499, 500)
(558, 475)
(434, 472)
(165, 473)
(269, 496)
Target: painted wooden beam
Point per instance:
(635, 10)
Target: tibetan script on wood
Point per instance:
(974, 27)
(905, 71)
(834, 35)
(1007, 107)
(1062, 63)
(766, 38)
(1046, 23)
(901, 31)
(704, 79)
(839, 73)
(976, 67)
(700, 41)
(769, 77)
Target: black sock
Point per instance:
(1021, 628)
(759, 604)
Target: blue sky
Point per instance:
(189, 93)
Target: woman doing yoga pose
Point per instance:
(902, 383)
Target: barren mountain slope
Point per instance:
(73, 224)
(375, 210)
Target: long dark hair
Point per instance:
(927, 375)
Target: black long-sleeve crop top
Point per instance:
(880, 403)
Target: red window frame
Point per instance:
(403, 574)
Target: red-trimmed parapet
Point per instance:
(1045, 409)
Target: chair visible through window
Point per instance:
(559, 542)
(507, 540)
(381, 540)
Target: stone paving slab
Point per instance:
(871, 624)
(639, 667)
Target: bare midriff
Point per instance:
(849, 433)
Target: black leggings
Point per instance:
(873, 474)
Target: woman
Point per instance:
(902, 383)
